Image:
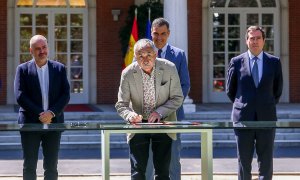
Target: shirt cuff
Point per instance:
(51, 113)
(161, 116)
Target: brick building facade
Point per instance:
(105, 56)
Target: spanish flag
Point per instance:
(132, 40)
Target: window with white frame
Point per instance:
(64, 24)
(229, 20)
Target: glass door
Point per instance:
(227, 37)
(66, 32)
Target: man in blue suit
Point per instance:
(160, 33)
(42, 90)
(254, 86)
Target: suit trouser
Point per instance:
(175, 165)
(139, 153)
(261, 140)
(50, 142)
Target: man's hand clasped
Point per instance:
(46, 117)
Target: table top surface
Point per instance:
(165, 125)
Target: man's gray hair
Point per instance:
(142, 43)
(35, 38)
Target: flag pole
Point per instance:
(148, 25)
(149, 14)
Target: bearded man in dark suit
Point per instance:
(42, 90)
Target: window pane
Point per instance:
(76, 3)
(76, 73)
(41, 19)
(76, 67)
(62, 58)
(219, 85)
(268, 3)
(76, 60)
(76, 87)
(219, 72)
(243, 3)
(42, 31)
(233, 19)
(219, 45)
(233, 32)
(269, 32)
(217, 3)
(61, 46)
(269, 46)
(51, 3)
(24, 46)
(25, 20)
(25, 32)
(219, 32)
(60, 19)
(76, 33)
(252, 19)
(24, 3)
(219, 59)
(76, 20)
(233, 45)
(25, 57)
(76, 46)
(267, 19)
(218, 19)
(60, 33)
(56, 3)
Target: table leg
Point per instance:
(206, 155)
(105, 154)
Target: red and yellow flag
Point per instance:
(132, 40)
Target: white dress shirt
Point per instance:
(43, 73)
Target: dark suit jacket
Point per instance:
(28, 92)
(177, 56)
(251, 103)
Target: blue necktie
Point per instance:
(159, 53)
(255, 71)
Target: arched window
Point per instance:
(51, 3)
(229, 20)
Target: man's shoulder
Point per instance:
(175, 54)
(26, 64)
(271, 57)
(176, 49)
(239, 57)
(130, 68)
(55, 63)
(164, 62)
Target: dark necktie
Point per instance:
(255, 71)
(159, 53)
